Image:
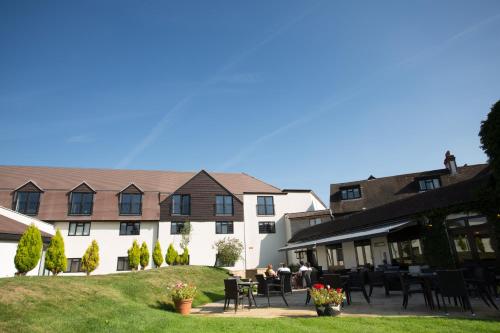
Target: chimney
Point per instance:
(450, 163)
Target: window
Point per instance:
(265, 206)
(429, 184)
(335, 256)
(176, 228)
(349, 193)
(406, 251)
(130, 228)
(27, 202)
(363, 251)
(181, 204)
(224, 227)
(79, 229)
(122, 264)
(80, 203)
(267, 228)
(223, 205)
(130, 204)
(74, 265)
(315, 221)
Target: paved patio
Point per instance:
(380, 306)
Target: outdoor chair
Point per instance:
(392, 282)
(267, 287)
(306, 277)
(451, 283)
(287, 281)
(333, 280)
(376, 279)
(356, 282)
(412, 285)
(232, 292)
(479, 283)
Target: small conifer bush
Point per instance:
(55, 259)
(29, 250)
(90, 260)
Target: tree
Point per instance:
(490, 196)
(171, 256)
(134, 256)
(157, 256)
(29, 250)
(490, 140)
(144, 255)
(185, 257)
(228, 251)
(90, 260)
(55, 259)
(185, 234)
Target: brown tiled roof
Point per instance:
(14, 228)
(452, 195)
(313, 213)
(379, 191)
(57, 182)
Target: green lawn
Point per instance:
(138, 302)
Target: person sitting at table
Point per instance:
(270, 273)
(283, 268)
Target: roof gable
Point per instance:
(29, 186)
(82, 187)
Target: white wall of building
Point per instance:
(8, 251)
(111, 244)
(262, 249)
(380, 250)
(203, 237)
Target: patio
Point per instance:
(380, 305)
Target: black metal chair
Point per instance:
(267, 287)
(413, 285)
(333, 280)
(287, 281)
(356, 282)
(479, 283)
(232, 292)
(306, 277)
(376, 279)
(392, 282)
(451, 283)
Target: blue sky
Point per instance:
(298, 93)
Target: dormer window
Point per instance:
(130, 203)
(81, 203)
(181, 204)
(27, 202)
(27, 198)
(429, 184)
(351, 192)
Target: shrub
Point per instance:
(185, 257)
(185, 234)
(29, 250)
(171, 256)
(55, 259)
(134, 256)
(144, 255)
(90, 260)
(157, 256)
(182, 291)
(228, 251)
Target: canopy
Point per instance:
(365, 233)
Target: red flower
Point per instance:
(318, 286)
(339, 291)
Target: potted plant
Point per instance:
(182, 295)
(328, 301)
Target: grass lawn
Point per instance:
(139, 302)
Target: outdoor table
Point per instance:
(249, 285)
(426, 280)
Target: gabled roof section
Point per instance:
(453, 195)
(14, 223)
(130, 188)
(84, 183)
(29, 182)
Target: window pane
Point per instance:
(261, 200)
(394, 250)
(33, 202)
(473, 221)
(176, 204)
(87, 203)
(86, 231)
(359, 254)
(368, 254)
(462, 247)
(72, 229)
(79, 229)
(185, 204)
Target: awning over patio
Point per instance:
(365, 233)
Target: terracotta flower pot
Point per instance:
(183, 306)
